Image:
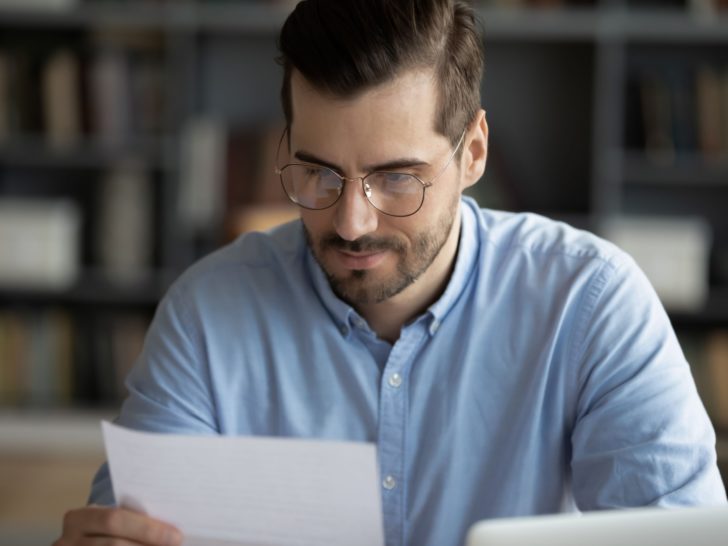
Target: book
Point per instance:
(62, 347)
(6, 373)
(707, 7)
(724, 109)
(546, 3)
(241, 150)
(267, 184)
(125, 237)
(14, 361)
(127, 340)
(39, 5)
(23, 94)
(103, 386)
(5, 132)
(39, 242)
(201, 202)
(147, 93)
(708, 93)
(35, 358)
(657, 118)
(693, 347)
(717, 368)
(673, 252)
(255, 199)
(61, 99)
(39, 375)
(109, 84)
(681, 81)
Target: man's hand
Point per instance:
(115, 526)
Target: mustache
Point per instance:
(362, 244)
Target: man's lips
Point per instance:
(360, 260)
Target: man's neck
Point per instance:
(388, 318)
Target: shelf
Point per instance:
(258, 17)
(249, 18)
(89, 154)
(672, 26)
(137, 15)
(79, 433)
(96, 288)
(564, 24)
(683, 171)
(528, 24)
(721, 448)
(713, 315)
(52, 432)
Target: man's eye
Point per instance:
(396, 178)
(312, 172)
(397, 183)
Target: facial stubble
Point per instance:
(361, 286)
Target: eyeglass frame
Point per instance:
(425, 185)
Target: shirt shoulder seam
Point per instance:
(586, 307)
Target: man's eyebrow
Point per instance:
(310, 158)
(401, 163)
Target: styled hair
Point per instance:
(346, 47)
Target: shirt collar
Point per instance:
(344, 315)
(464, 261)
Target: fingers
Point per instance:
(119, 523)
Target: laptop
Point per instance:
(626, 527)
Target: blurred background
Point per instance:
(136, 136)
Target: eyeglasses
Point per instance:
(316, 187)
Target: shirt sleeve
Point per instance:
(641, 435)
(169, 386)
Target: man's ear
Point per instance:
(475, 151)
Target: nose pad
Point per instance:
(367, 190)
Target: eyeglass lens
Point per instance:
(313, 187)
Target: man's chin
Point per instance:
(365, 288)
(355, 286)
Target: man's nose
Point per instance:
(354, 216)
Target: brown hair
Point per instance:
(345, 47)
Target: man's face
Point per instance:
(368, 256)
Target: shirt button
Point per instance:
(389, 483)
(395, 380)
(359, 323)
(344, 330)
(434, 326)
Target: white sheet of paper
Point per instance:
(249, 491)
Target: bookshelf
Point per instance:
(562, 88)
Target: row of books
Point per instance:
(697, 6)
(677, 109)
(111, 91)
(50, 358)
(47, 242)
(227, 186)
(707, 354)
(228, 173)
(536, 3)
(707, 6)
(693, 6)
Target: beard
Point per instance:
(364, 287)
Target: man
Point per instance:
(504, 364)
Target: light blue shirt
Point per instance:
(546, 378)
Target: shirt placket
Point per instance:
(392, 430)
